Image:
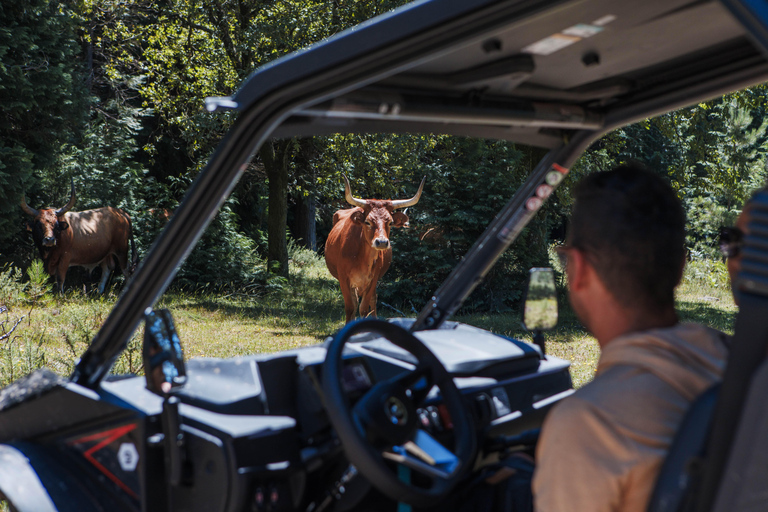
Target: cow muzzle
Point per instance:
(381, 244)
(49, 241)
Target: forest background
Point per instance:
(110, 94)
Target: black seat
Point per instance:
(681, 470)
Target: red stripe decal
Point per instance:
(107, 437)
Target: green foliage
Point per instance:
(41, 101)
(301, 257)
(222, 259)
(468, 182)
(11, 286)
(39, 284)
(706, 216)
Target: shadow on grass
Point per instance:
(310, 305)
(707, 314)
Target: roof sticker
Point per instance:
(551, 44)
(567, 37)
(583, 30)
(601, 22)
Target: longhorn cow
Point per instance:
(86, 239)
(358, 251)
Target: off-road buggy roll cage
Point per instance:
(554, 74)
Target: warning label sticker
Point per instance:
(551, 44)
(569, 36)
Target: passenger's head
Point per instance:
(731, 241)
(630, 227)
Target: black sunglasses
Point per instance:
(731, 241)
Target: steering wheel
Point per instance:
(384, 424)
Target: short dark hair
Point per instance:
(631, 226)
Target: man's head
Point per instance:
(734, 248)
(629, 227)
(732, 240)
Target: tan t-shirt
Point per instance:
(601, 448)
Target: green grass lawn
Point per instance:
(53, 331)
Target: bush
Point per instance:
(473, 181)
(705, 218)
(11, 287)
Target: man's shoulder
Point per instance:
(679, 349)
(687, 331)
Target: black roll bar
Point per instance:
(505, 228)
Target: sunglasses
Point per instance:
(731, 240)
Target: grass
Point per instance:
(53, 331)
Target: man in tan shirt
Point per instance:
(601, 449)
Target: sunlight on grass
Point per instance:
(53, 331)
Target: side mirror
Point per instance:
(540, 312)
(163, 358)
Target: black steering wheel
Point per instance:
(384, 424)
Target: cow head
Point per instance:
(47, 223)
(378, 216)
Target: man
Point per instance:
(732, 241)
(601, 448)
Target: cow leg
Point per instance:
(368, 302)
(350, 301)
(105, 271)
(61, 272)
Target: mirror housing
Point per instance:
(540, 312)
(163, 357)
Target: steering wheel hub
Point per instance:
(396, 410)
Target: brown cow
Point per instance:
(358, 252)
(86, 239)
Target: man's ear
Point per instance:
(358, 217)
(399, 220)
(580, 271)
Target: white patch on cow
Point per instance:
(128, 456)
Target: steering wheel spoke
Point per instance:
(417, 384)
(426, 455)
(383, 424)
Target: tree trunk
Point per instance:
(304, 214)
(305, 222)
(274, 154)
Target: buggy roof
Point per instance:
(528, 71)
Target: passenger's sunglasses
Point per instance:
(731, 241)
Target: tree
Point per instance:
(42, 100)
(187, 50)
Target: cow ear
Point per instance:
(399, 220)
(63, 225)
(358, 217)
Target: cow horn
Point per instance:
(403, 203)
(61, 211)
(27, 209)
(362, 203)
